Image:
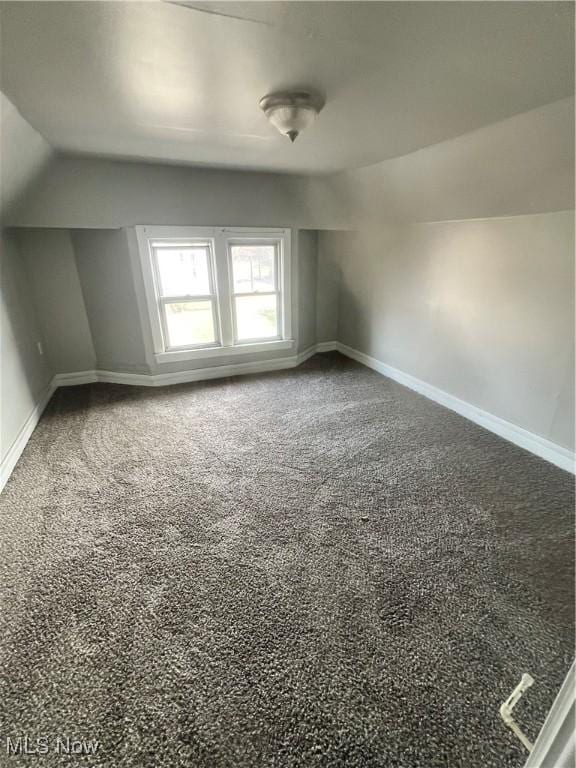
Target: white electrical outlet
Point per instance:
(40, 347)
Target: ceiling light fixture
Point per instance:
(291, 112)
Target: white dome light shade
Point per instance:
(291, 121)
(291, 113)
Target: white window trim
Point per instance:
(219, 237)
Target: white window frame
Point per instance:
(220, 238)
(162, 300)
(277, 292)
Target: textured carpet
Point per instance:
(315, 567)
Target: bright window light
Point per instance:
(214, 292)
(189, 323)
(256, 294)
(185, 293)
(184, 270)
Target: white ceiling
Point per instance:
(181, 82)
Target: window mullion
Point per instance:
(223, 283)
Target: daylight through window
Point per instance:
(216, 289)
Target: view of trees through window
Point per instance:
(187, 294)
(255, 291)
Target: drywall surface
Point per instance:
(481, 309)
(111, 281)
(520, 165)
(328, 293)
(524, 164)
(457, 266)
(24, 372)
(86, 193)
(105, 273)
(307, 288)
(304, 246)
(55, 287)
(24, 155)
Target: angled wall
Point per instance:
(50, 264)
(25, 371)
(25, 156)
(85, 193)
(459, 268)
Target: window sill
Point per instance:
(210, 352)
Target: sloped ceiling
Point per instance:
(180, 82)
(24, 156)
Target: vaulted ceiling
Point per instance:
(180, 82)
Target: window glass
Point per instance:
(256, 317)
(189, 323)
(216, 288)
(184, 271)
(254, 268)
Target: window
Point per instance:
(256, 306)
(186, 295)
(216, 291)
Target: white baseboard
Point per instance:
(545, 449)
(553, 453)
(184, 377)
(326, 346)
(15, 451)
(73, 379)
(144, 380)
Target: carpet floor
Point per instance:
(315, 567)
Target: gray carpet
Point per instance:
(315, 567)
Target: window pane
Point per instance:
(256, 317)
(254, 268)
(189, 322)
(184, 271)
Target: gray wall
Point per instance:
(524, 164)
(50, 263)
(483, 310)
(308, 288)
(25, 373)
(105, 272)
(480, 304)
(78, 193)
(24, 156)
(520, 165)
(113, 294)
(328, 294)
